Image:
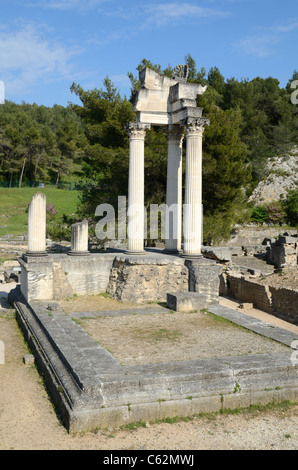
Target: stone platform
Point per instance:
(133, 278)
(90, 388)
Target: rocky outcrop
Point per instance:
(282, 178)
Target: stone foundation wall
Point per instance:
(204, 278)
(248, 291)
(281, 301)
(136, 279)
(141, 280)
(58, 276)
(285, 301)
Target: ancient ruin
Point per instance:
(89, 386)
(170, 103)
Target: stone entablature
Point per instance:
(164, 101)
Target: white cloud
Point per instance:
(27, 58)
(286, 28)
(258, 45)
(263, 44)
(167, 12)
(66, 4)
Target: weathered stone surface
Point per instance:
(143, 279)
(283, 251)
(186, 301)
(204, 278)
(60, 276)
(218, 253)
(28, 359)
(282, 178)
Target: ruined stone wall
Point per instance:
(149, 278)
(137, 280)
(285, 301)
(248, 291)
(280, 301)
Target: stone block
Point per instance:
(217, 253)
(28, 359)
(186, 301)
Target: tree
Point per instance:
(225, 173)
(104, 115)
(37, 136)
(291, 208)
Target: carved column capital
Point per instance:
(137, 130)
(196, 126)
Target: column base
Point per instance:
(131, 252)
(191, 256)
(36, 254)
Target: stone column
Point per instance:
(37, 226)
(174, 190)
(192, 209)
(135, 213)
(79, 239)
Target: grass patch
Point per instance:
(14, 204)
(157, 335)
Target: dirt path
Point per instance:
(28, 420)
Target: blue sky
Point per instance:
(47, 45)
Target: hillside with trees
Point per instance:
(250, 122)
(38, 143)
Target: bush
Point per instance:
(276, 213)
(58, 232)
(259, 214)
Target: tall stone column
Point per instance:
(135, 213)
(174, 190)
(192, 209)
(79, 239)
(37, 226)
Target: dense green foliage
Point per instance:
(250, 121)
(38, 143)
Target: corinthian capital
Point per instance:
(137, 130)
(196, 126)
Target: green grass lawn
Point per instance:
(14, 202)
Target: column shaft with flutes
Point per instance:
(135, 214)
(192, 209)
(37, 226)
(174, 190)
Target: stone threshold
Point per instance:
(91, 389)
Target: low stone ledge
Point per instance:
(276, 333)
